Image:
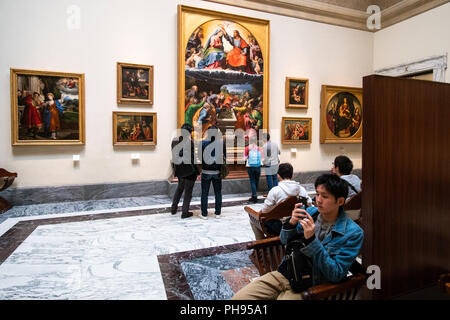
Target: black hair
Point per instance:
(187, 127)
(333, 184)
(286, 171)
(266, 136)
(344, 164)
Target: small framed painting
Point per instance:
(47, 108)
(134, 83)
(341, 114)
(134, 128)
(296, 130)
(297, 93)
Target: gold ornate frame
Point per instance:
(120, 98)
(288, 93)
(309, 130)
(15, 139)
(117, 114)
(189, 18)
(326, 134)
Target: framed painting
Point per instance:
(296, 130)
(341, 115)
(223, 70)
(47, 108)
(134, 128)
(134, 83)
(297, 93)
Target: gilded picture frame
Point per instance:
(134, 83)
(297, 92)
(341, 114)
(134, 128)
(47, 108)
(223, 70)
(296, 130)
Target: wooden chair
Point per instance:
(281, 210)
(269, 253)
(6, 179)
(353, 208)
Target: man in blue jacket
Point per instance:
(333, 241)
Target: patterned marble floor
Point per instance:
(113, 254)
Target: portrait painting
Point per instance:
(296, 93)
(296, 130)
(134, 83)
(223, 70)
(341, 115)
(47, 108)
(134, 128)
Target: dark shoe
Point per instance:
(253, 199)
(173, 212)
(187, 215)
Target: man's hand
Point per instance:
(308, 225)
(303, 217)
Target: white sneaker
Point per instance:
(203, 217)
(217, 216)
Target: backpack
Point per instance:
(296, 266)
(254, 158)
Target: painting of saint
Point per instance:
(48, 107)
(134, 83)
(297, 93)
(296, 130)
(343, 115)
(134, 128)
(223, 80)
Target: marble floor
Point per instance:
(123, 249)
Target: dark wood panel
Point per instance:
(406, 181)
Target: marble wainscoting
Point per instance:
(110, 257)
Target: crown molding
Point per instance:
(335, 15)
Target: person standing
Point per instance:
(271, 161)
(213, 151)
(185, 170)
(253, 157)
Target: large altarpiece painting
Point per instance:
(223, 63)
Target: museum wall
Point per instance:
(35, 36)
(419, 37)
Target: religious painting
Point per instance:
(223, 70)
(341, 115)
(134, 83)
(134, 128)
(296, 130)
(47, 108)
(297, 93)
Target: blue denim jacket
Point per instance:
(333, 257)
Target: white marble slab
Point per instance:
(112, 258)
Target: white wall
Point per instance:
(416, 38)
(34, 36)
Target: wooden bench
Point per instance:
(269, 253)
(6, 180)
(281, 210)
(353, 208)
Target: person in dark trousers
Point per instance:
(185, 169)
(213, 152)
(332, 243)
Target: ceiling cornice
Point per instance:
(335, 15)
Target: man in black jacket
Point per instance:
(185, 169)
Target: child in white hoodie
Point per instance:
(286, 187)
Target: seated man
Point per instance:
(342, 166)
(332, 242)
(286, 187)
